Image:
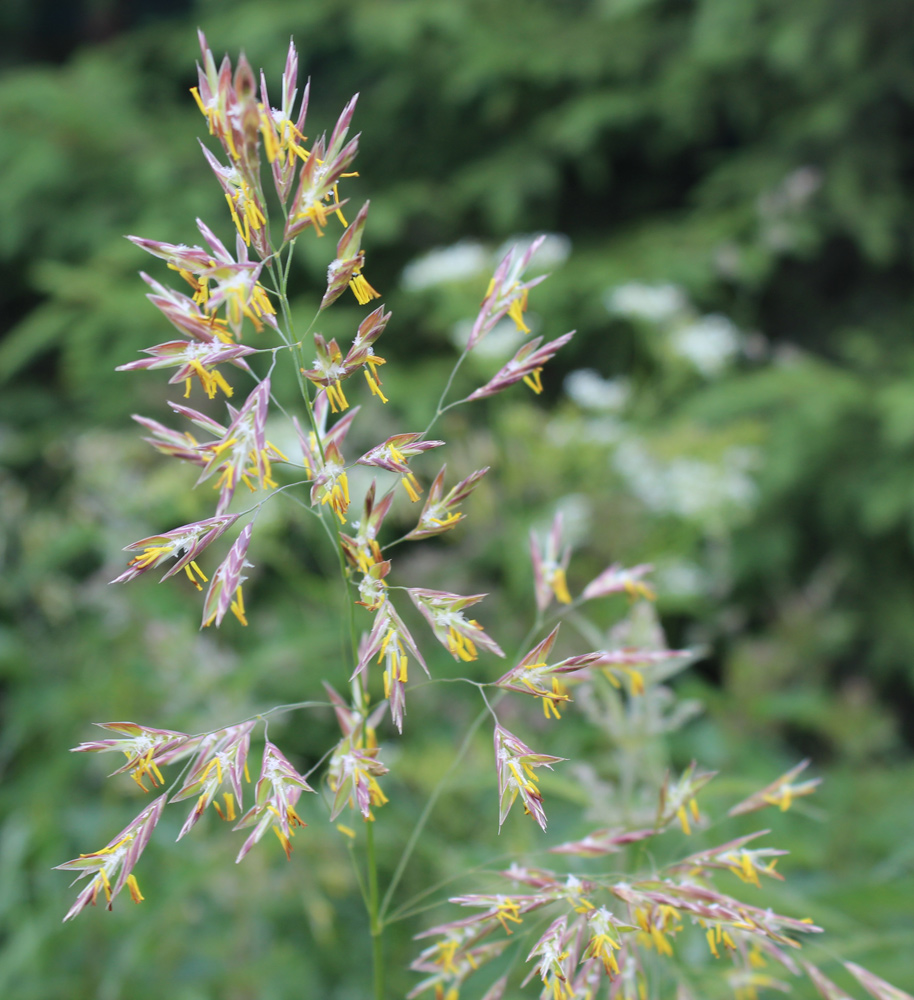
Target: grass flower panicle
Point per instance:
(224, 592)
(111, 868)
(317, 196)
(345, 271)
(552, 952)
(618, 580)
(243, 454)
(223, 756)
(144, 747)
(390, 641)
(362, 550)
(602, 842)
(507, 294)
(444, 612)
(535, 676)
(352, 776)
(781, 792)
(183, 544)
(514, 763)
(875, 986)
(318, 442)
(277, 791)
(525, 366)
(194, 361)
(394, 454)
(610, 932)
(678, 798)
(549, 565)
(186, 313)
(284, 137)
(438, 513)
(733, 856)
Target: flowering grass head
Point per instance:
(391, 642)
(444, 612)
(439, 512)
(610, 929)
(183, 544)
(507, 295)
(222, 757)
(515, 763)
(110, 869)
(278, 789)
(536, 676)
(549, 565)
(144, 747)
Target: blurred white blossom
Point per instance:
(694, 489)
(682, 578)
(568, 431)
(591, 391)
(651, 302)
(444, 265)
(711, 343)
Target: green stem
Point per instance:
(441, 408)
(280, 276)
(427, 811)
(375, 922)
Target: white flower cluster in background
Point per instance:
(591, 391)
(469, 259)
(709, 343)
(655, 303)
(463, 260)
(782, 208)
(709, 493)
(682, 578)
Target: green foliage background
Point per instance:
(667, 140)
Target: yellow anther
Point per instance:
(712, 943)
(374, 385)
(197, 98)
(450, 519)
(636, 590)
(636, 680)
(284, 840)
(516, 311)
(192, 567)
(270, 145)
(103, 875)
(533, 380)
(237, 606)
(317, 213)
(362, 291)
(411, 485)
(134, 888)
(560, 586)
(336, 397)
(550, 706)
(683, 817)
